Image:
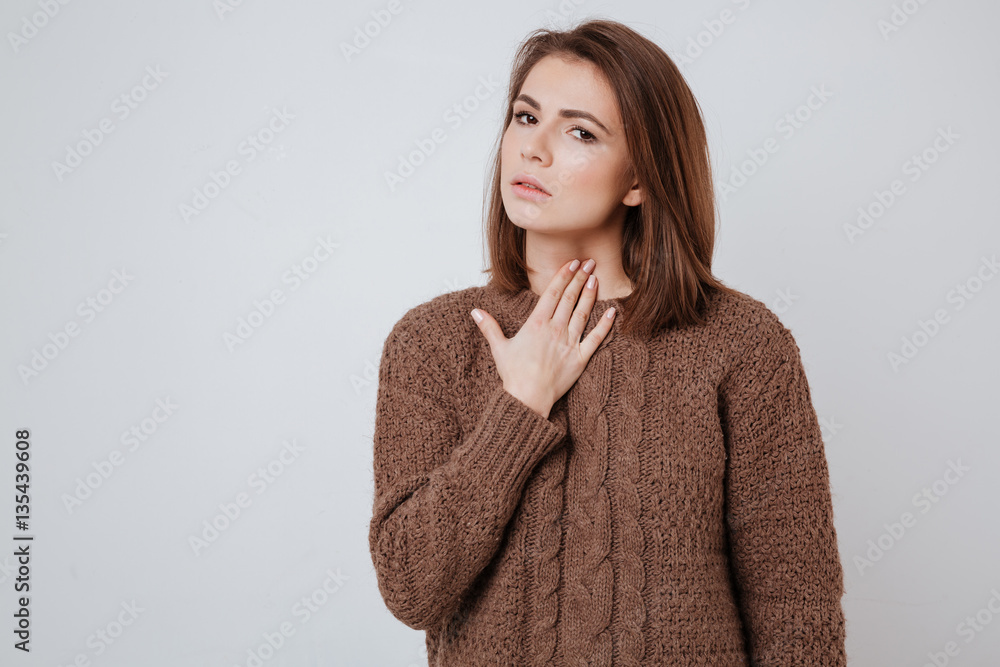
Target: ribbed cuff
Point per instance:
(508, 442)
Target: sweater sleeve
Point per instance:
(442, 498)
(782, 539)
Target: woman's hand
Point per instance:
(545, 358)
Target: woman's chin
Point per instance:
(527, 214)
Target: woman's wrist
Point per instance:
(537, 403)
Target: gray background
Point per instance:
(306, 375)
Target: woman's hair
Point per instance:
(668, 239)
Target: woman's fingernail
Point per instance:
(610, 313)
(575, 265)
(476, 315)
(590, 282)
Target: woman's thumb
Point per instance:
(487, 325)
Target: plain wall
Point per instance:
(159, 99)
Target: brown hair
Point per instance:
(669, 238)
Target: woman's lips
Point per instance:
(529, 193)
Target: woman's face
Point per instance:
(567, 133)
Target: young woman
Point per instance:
(615, 460)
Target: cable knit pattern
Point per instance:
(629, 604)
(589, 586)
(673, 509)
(546, 572)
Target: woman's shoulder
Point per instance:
(747, 326)
(734, 308)
(441, 327)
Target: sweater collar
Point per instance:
(511, 310)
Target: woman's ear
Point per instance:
(635, 193)
(634, 196)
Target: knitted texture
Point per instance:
(673, 509)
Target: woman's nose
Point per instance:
(535, 147)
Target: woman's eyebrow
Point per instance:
(565, 113)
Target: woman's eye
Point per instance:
(587, 137)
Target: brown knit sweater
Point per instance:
(674, 509)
